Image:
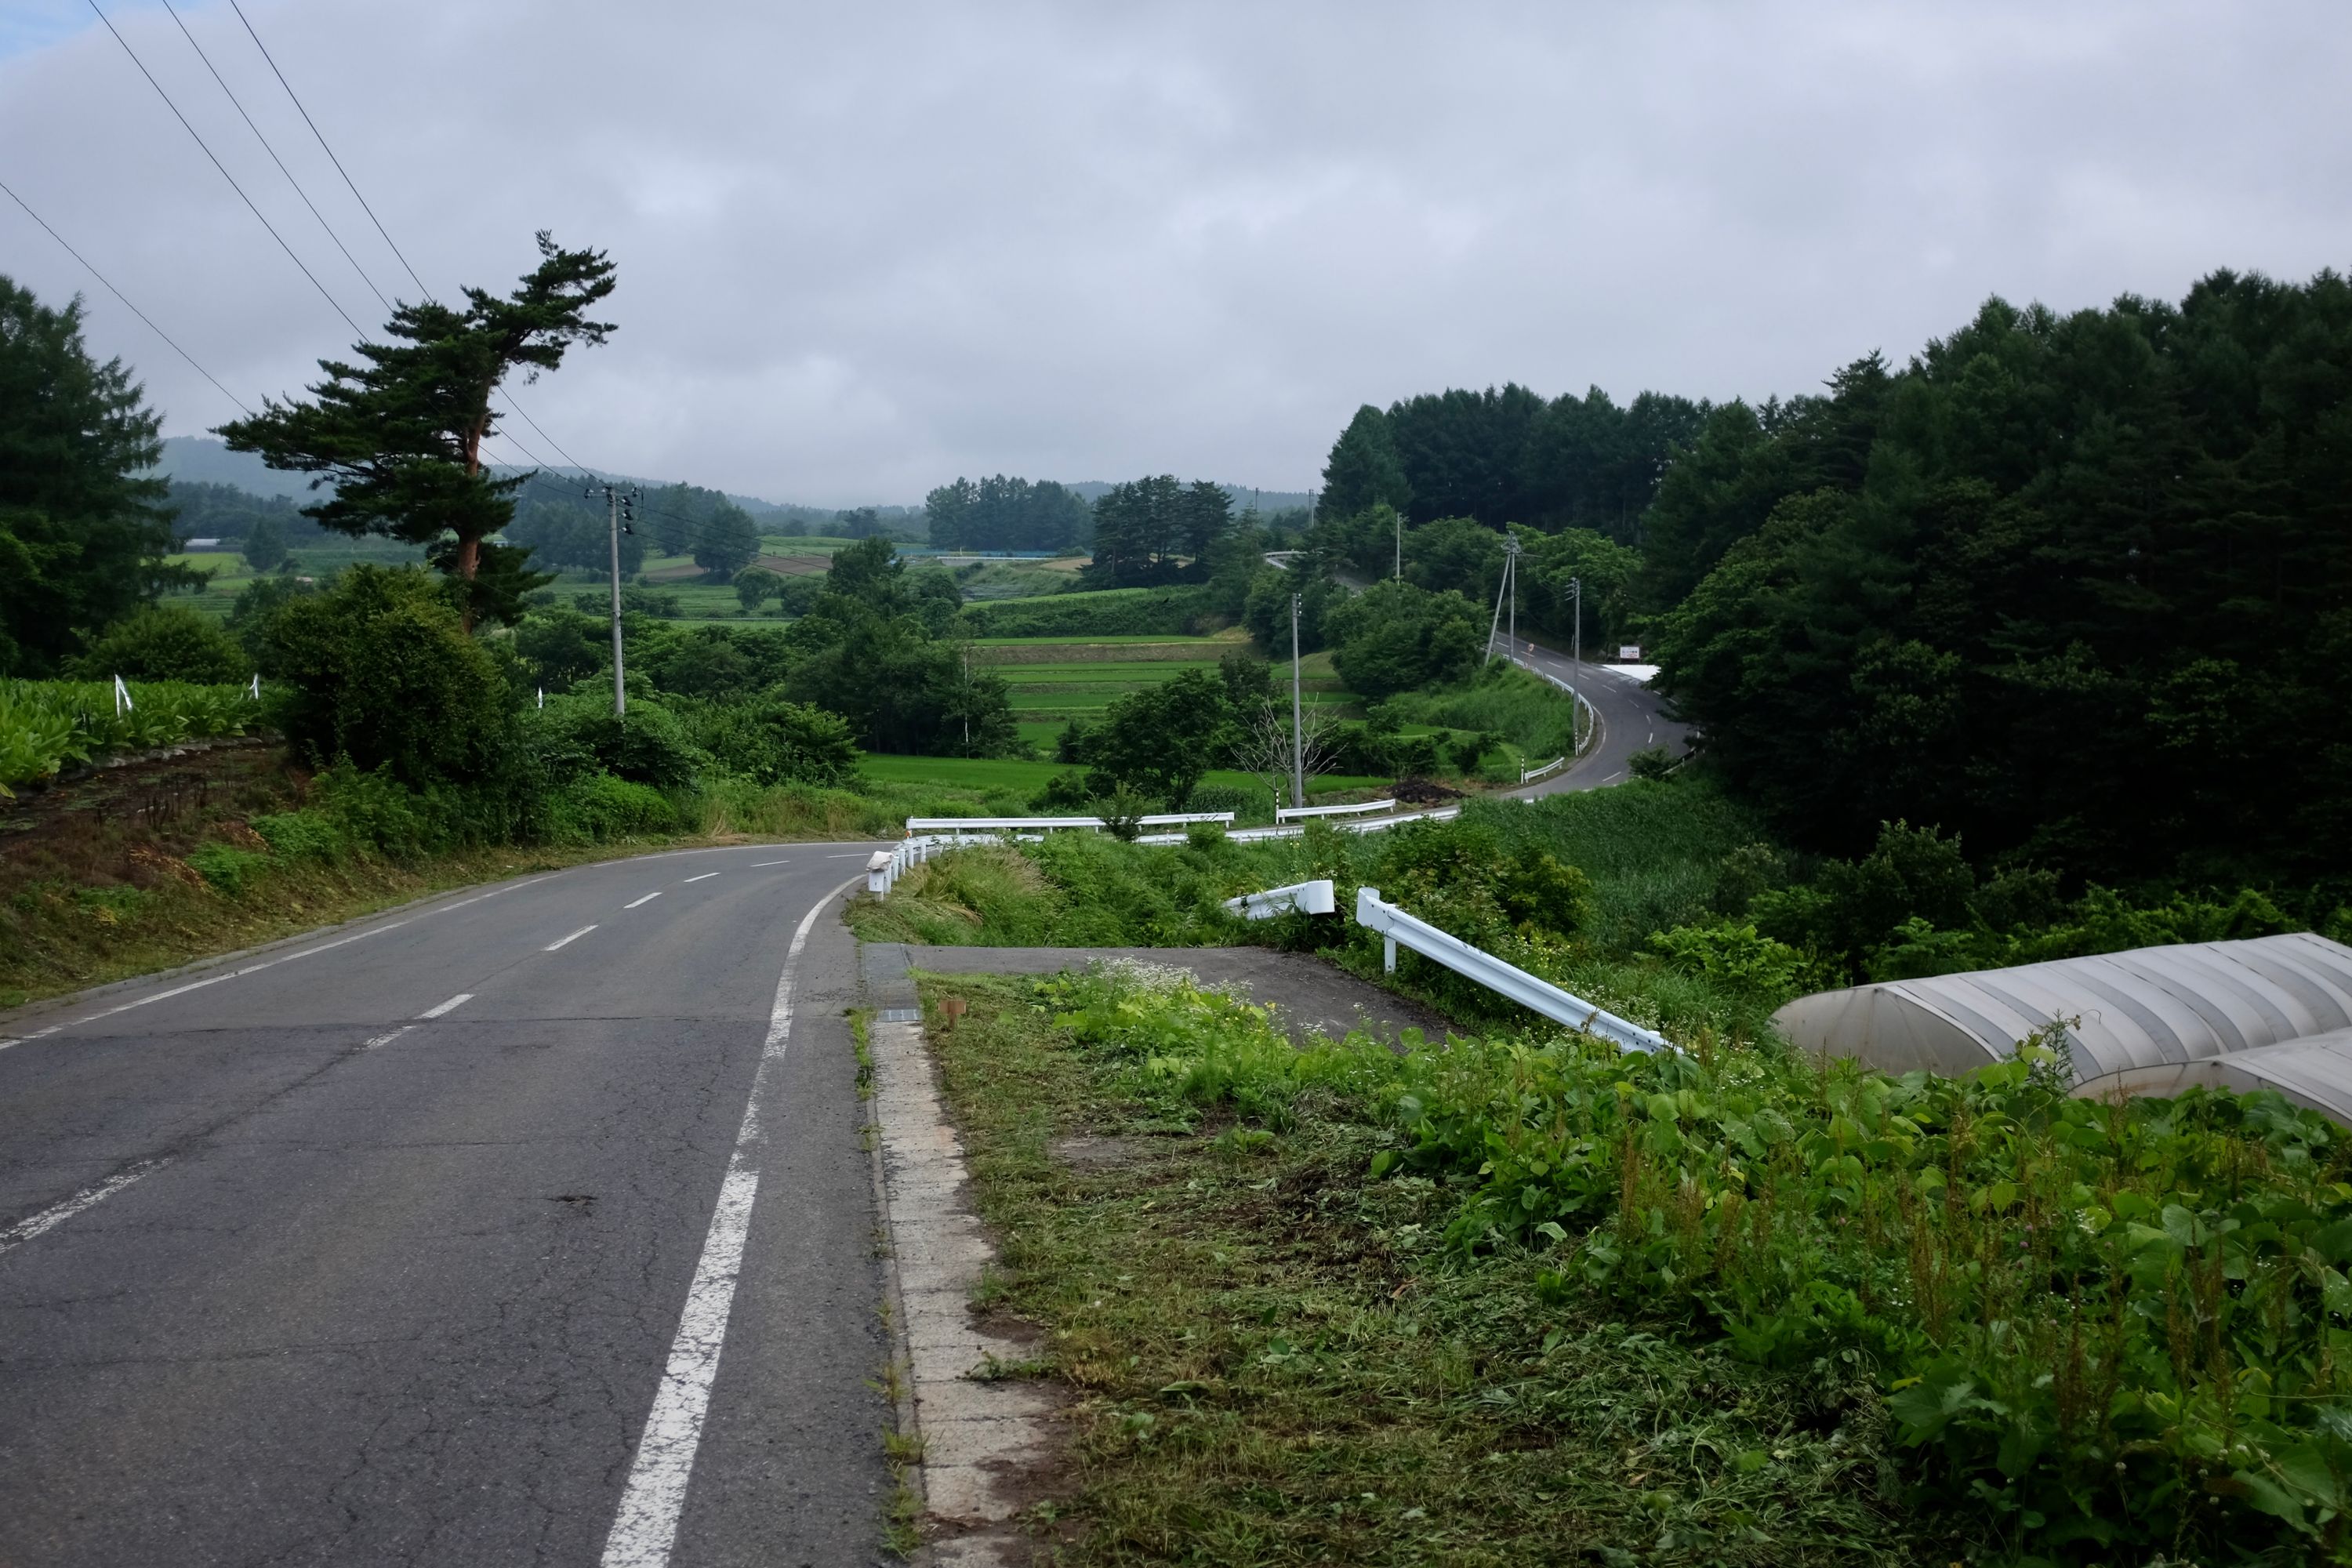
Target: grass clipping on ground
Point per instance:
(1278, 1362)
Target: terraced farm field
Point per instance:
(1056, 680)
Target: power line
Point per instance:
(338, 163)
(354, 187)
(279, 161)
(127, 305)
(200, 141)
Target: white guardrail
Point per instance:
(1400, 929)
(1300, 897)
(929, 836)
(991, 826)
(1300, 813)
(1529, 775)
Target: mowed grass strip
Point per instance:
(1274, 1362)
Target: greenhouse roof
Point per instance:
(2274, 1011)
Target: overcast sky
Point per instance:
(864, 249)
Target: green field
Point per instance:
(1001, 776)
(1055, 679)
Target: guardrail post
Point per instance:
(1387, 953)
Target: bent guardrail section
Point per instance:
(1398, 928)
(1529, 775)
(1316, 898)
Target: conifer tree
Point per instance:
(400, 435)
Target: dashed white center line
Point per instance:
(451, 1005)
(387, 1037)
(23, 1230)
(648, 898)
(645, 1530)
(704, 877)
(757, 864)
(561, 942)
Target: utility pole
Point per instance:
(1576, 666)
(1297, 730)
(1511, 574)
(619, 510)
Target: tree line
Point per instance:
(1509, 455)
(1001, 513)
(2075, 586)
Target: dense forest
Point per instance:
(2077, 588)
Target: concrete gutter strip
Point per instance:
(978, 1437)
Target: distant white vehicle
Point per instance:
(204, 545)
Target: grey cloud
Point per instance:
(862, 251)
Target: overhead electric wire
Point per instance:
(200, 141)
(127, 305)
(274, 158)
(329, 151)
(354, 186)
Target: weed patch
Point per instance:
(1469, 1304)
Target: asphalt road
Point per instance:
(306, 1265)
(1632, 718)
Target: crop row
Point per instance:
(46, 725)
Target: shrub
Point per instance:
(165, 642)
(1735, 955)
(378, 669)
(374, 812)
(601, 806)
(303, 836)
(228, 868)
(1064, 795)
(770, 741)
(649, 744)
(1653, 763)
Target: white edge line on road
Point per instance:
(56, 1214)
(561, 942)
(451, 1005)
(648, 898)
(387, 1037)
(704, 877)
(646, 1527)
(265, 964)
(757, 864)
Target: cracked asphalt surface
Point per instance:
(390, 1289)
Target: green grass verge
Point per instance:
(1275, 1361)
(1339, 1303)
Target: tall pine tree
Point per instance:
(401, 435)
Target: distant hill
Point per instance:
(199, 459)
